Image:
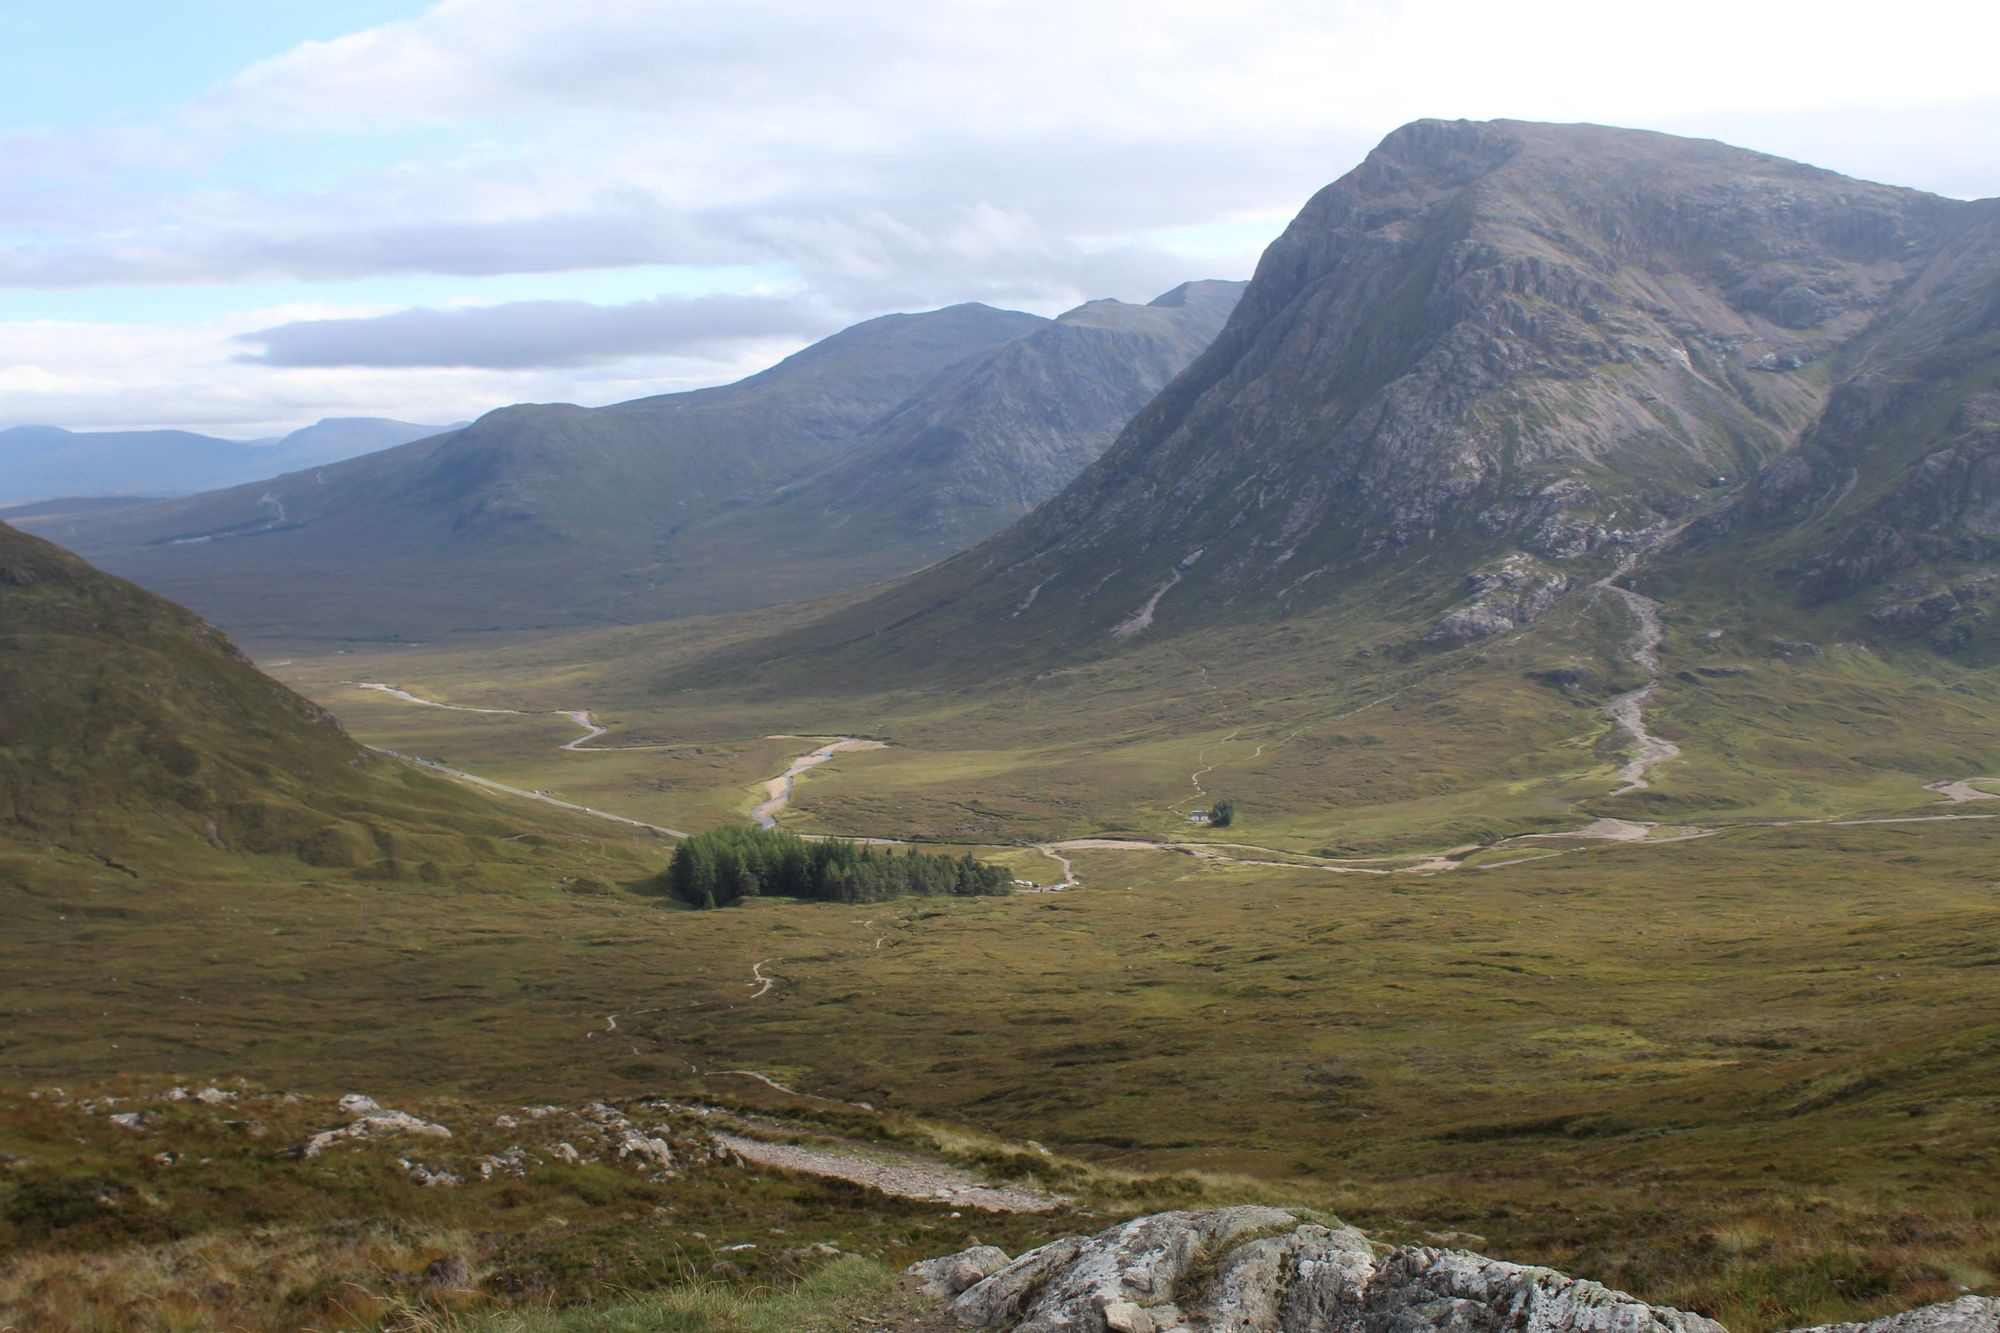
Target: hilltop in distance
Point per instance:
(868, 454)
(41, 463)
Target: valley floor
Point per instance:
(1723, 1041)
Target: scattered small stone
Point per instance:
(130, 1119)
(213, 1096)
(370, 1126)
(649, 1151)
(942, 1279)
(1125, 1317)
(428, 1177)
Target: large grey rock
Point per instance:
(1505, 595)
(1424, 1289)
(1262, 1270)
(942, 1279)
(1069, 1283)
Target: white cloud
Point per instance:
(883, 155)
(540, 334)
(101, 376)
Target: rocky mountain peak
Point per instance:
(1488, 340)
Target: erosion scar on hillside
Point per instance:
(1628, 710)
(778, 791)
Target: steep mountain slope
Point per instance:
(998, 435)
(533, 515)
(974, 450)
(136, 737)
(1485, 368)
(1886, 514)
(41, 462)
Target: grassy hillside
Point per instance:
(139, 744)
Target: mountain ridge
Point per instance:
(42, 463)
(1532, 352)
(538, 515)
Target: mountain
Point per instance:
(972, 451)
(1886, 511)
(1490, 366)
(332, 440)
(865, 455)
(137, 738)
(996, 436)
(45, 462)
(40, 462)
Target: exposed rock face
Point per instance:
(1505, 595)
(1896, 483)
(1262, 1270)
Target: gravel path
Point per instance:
(778, 791)
(901, 1176)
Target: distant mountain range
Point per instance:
(867, 454)
(47, 462)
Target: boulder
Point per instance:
(942, 1279)
(373, 1125)
(1068, 1284)
(1262, 1270)
(646, 1151)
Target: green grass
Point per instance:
(831, 1299)
(1706, 1071)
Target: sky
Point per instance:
(240, 216)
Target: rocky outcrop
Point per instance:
(375, 1124)
(1504, 595)
(1263, 1270)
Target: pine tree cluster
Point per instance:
(716, 868)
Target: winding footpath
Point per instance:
(581, 744)
(435, 766)
(778, 791)
(1628, 710)
(580, 716)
